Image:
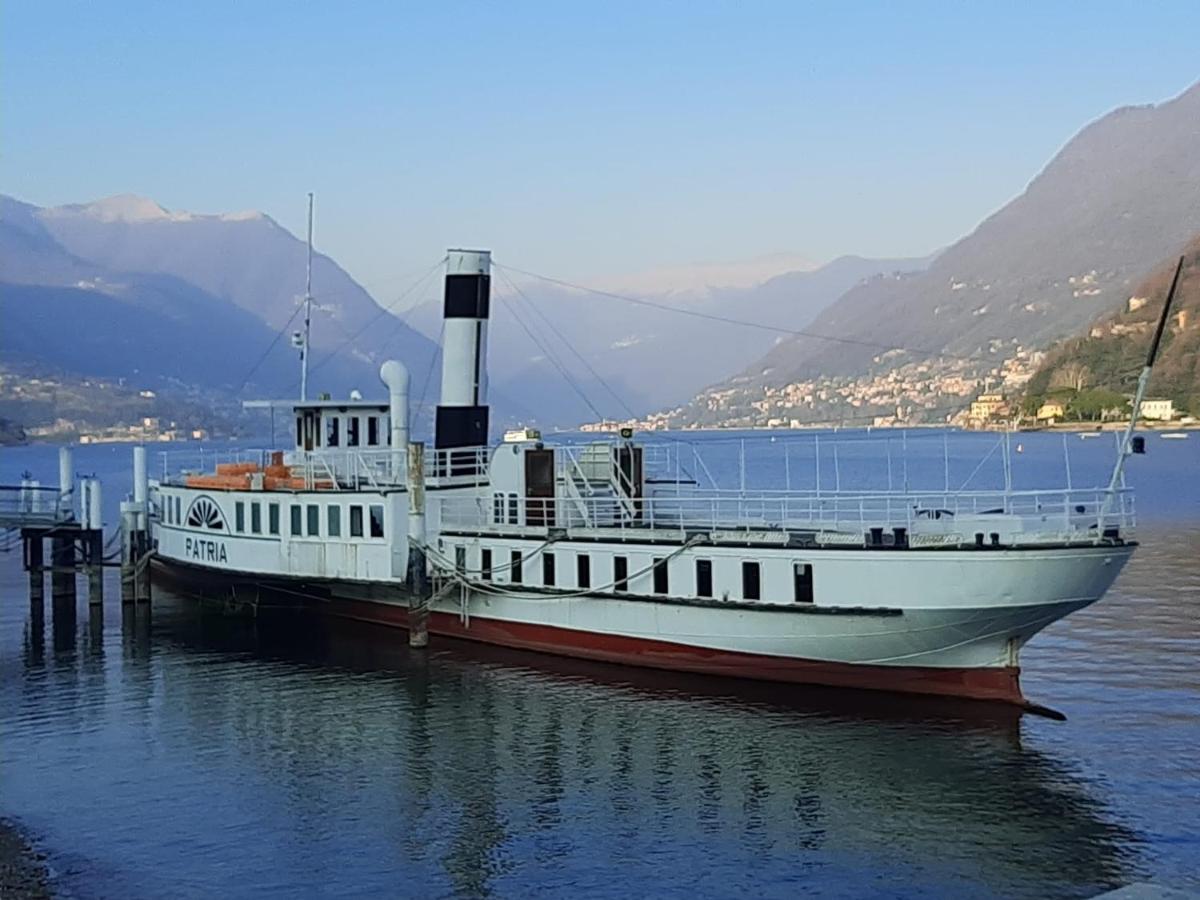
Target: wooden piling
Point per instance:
(62, 573)
(93, 542)
(128, 557)
(418, 578)
(35, 564)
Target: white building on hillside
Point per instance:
(1160, 410)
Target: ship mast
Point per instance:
(1143, 381)
(307, 306)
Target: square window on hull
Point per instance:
(802, 577)
(751, 581)
(704, 581)
(662, 584)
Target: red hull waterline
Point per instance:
(995, 684)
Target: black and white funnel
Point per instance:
(462, 416)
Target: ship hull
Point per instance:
(964, 651)
(999, 683)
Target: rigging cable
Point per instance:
(728, 320)
(383, 310)
(554, 361)
(620, 400)
(433, 358)
(267, 352)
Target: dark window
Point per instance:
(372, 431)
(460, 559)
(376, 521)
(497, 508)
(334, 521)
(297, 519)
(314, 519)
(802, 577)
(273, 518)
(620, 573)
(178, 508)
(704, 578)
(751, 581)
(331, 431)
(356, 529)
(239, 516)
(485, 564)
(515, 575)
(352, 431)
(299, 431)
(256, 518)
(583, 570)
(661, 583)
(548, 569)
(514, 509)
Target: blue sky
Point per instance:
(579, 140)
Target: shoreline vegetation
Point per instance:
(24, 874)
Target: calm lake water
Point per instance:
(186, 754)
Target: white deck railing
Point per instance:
(1062, 514)
(345, 469)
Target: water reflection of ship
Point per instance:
(502, 751)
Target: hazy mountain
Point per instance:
(173, 295)
(630, 358)
(699, 278)
(1121, 195)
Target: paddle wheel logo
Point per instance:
(204, 513)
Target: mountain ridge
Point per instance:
(1116, 197)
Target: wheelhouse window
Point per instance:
(621, 573)
(751, 581)
(583, 570)
(256, 518)
(372, 431)
(376, 521)
(297, 519)
(352, 431)
(515, 575)
(548, 569)
(356, 521)
(332, 438)
(704, 584)
(239, 517)
(662, 584)
(485, 564)
(333, 520)
(273, 518)
(314, 520)
(802, 578)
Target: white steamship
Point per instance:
(616, 551)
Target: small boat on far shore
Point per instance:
(1174, 435)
